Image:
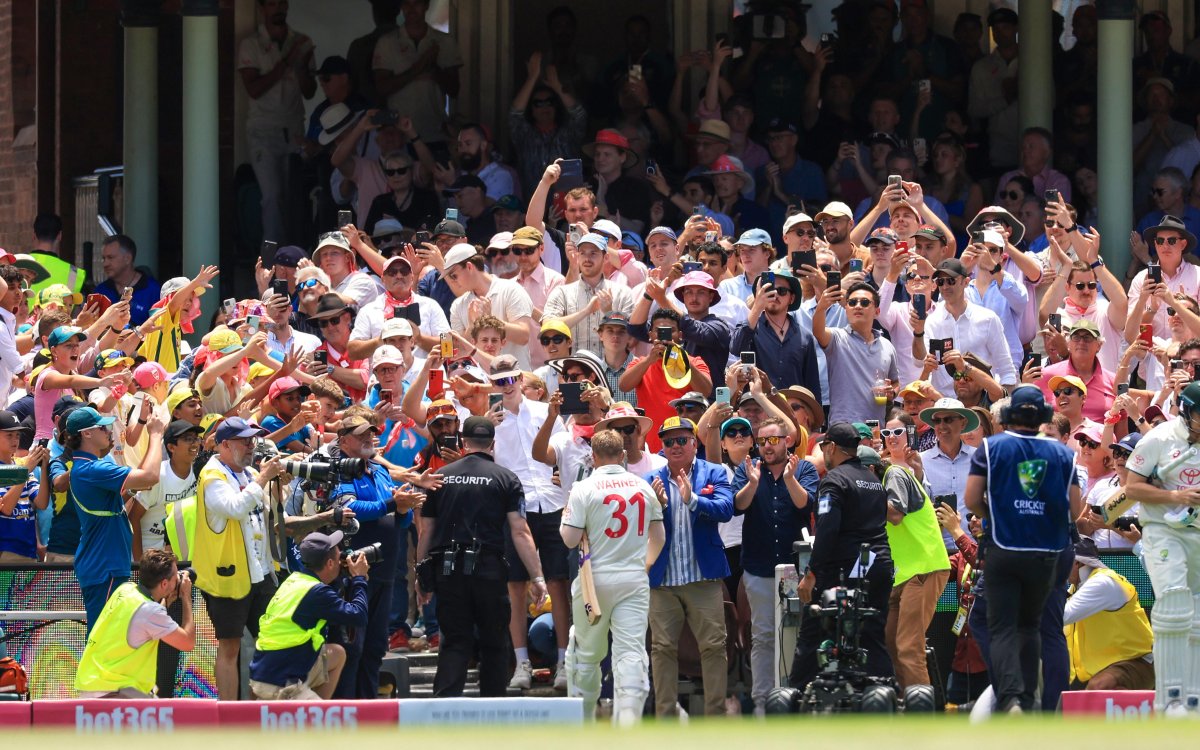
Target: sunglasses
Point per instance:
(947, 281)
(396, 171)
(1082, 336)
(628, 429)
(1172, 241)
(805, 232)
(1087, 443)
(914, 277)
(308, 284)
(327, 322)
(858, 302)
(1061, 392)
(675, 442)
(556, 339)
(1051, 223)
(494, 251)
(543, 102)
(505, 382)
(441, 411)
(1121, 453)
(782, 290)
(947, 420)
(768, 440)
(1013, 195)
(573, 377)
(1081, 285)
(397, 270)
(737, 432)
(891, 432)
(523, 250)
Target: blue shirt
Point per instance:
(146, 292)
(400, 444)
(432, 285)
(773, 521)
(320, 603)
(106, 539)
(789, 361)
(273, 423)
(18, 530)
(371, 494)
(1008, 299)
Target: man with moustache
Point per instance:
(581, 304)
(475, 157)
(399, 292)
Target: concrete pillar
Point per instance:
(201, 163)
(140, 127)
(1035, 75)
(1115, 31)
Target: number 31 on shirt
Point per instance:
(620, 504)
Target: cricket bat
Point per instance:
(587, 585)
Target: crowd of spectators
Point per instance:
(853, 232)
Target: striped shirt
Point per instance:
(682, 567)
(576, 296)
(612, 377)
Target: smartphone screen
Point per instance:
(572, 403)
(451, 214)
(494, 400)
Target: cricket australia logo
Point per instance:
(1031, 474)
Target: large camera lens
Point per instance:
(371, 552)
(350, 468)
(316, 471)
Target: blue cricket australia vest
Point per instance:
(1028, 482)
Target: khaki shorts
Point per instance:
(297, 691)
(1133, 674)
(58, 557)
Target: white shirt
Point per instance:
(977, 331)
(282, 105)
(510, 303)
(369, 322)
(10, 359)
(615, 508)
(1166, 453)
(1094, 595)
(1186, 280)
(170, 488)
(239, 499)
(422, 99)
(359, 287)
(987, 100)
(514, 451)
(574, 458)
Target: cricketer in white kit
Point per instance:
(1164, 476)
(622, 518)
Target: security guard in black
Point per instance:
(851, 511)
(462, 530)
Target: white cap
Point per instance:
(795, 219)
(607, 227)
(332, 239)
(387, 355)
(993, 238)
(460, 253)
(395, 327)
(500, 240)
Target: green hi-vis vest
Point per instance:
(108, 663)
(916, 542)
(276, 628)
(182, 513)
(61, 272)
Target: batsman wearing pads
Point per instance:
(620, 516)
(1164, 476)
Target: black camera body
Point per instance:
(373, 553)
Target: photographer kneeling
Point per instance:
(121, 656)
(291, 659)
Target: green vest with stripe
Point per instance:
(182, 513)
(61, 272)
(276, 628)
(108, 663)
(916, 542)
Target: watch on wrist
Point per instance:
(997, 269)
(1099, 262)
(1073, 228)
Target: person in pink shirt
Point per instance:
(1082, 362)
(59, 376)
(536, 279)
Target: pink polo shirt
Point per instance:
(538, 286)
(1100, 393)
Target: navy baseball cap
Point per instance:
(290, 256)
(235, 427)
(315, 548)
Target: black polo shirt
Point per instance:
(473, 502)
(851, 510)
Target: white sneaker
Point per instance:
(523, 676)
(560, 676)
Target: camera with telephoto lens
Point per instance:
(372, 552)
(331, 471)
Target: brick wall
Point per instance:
(18, 86)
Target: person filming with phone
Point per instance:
(121, 656)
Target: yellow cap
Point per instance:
(258, 370)
(178, 396)
(224, 341)
(1071, 380)
(59, 294)
(556, 325)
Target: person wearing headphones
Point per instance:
(1027, 490)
